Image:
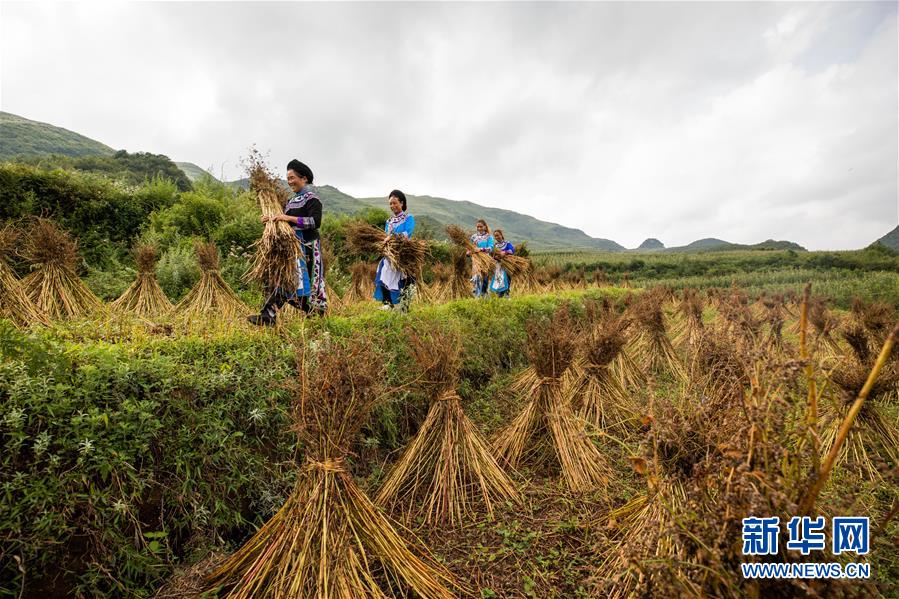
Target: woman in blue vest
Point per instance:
(499, 282)
(484, 240)
(390, 283)
(304, 213)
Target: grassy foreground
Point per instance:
(130, 453)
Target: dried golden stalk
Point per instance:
(211, 295)
(277, 251)
(53, 287)
(329, 540)
(144, 296)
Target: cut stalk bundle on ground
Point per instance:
(872, 446)
(688, 331)
(547, 428)
(652, 348)
(362, 276)
(144, 296)
(14, 301)
(329, 540)
(211, 295)
(598, 396)
(481, 262)
(461, 281)
(405, 254)
(53, 286)
(275, 254)
(447, 471)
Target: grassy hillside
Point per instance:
(891, 239)
(193, 171)
(23, 137)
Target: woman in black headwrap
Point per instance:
(304, 213)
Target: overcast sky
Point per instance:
(744, 121)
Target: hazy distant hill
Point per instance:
(21, 136)
(891, 239)
(711, 244)
(651, 244)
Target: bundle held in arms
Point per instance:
(144, 296)
(54, 287)
(14, 302)
(448, 465)
(547, 429)
(276, 253)
(329, 540)
(404, 254)
(481, 262)
(211, 294)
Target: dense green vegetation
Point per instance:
(129, 169)
(22, 136)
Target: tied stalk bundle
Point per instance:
(329, 540)
(403, 253)
(276, 253)
(144, 296)
(604, 403)
(481, 262)
(874, 438)
(689, 329)
(211, 295)
(448, 465)
(547, 429)
(362, 276)
(53, 287)
(460, 285)
(14, 301)
(652, 347)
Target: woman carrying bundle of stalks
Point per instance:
(484, 242)
(392, 287)
(304, 213)
(501, 279)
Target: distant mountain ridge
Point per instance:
(21, 136)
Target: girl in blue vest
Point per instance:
(389, 282)
(484, 240)
(499, 282)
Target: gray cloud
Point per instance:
(674, 120)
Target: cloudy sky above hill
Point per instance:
(743, 121)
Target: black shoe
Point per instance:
(261, 320)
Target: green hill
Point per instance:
(193, 171)
(891, 239)
(23, 137)
(439, 212)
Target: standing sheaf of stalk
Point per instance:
(211, 294)
(547, 426)
(53, 287)
(329, 540)
(652, 348)
(603, 402)
(448, 465)
(144, 296)
(14, 301)
(275, 255)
